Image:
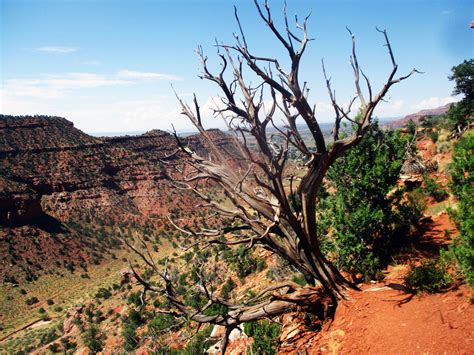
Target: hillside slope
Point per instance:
(55, 179)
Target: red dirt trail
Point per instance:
(384, 318)
(387, 320)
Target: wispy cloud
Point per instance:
(57, 49)
(433, 102)
(58, 85)
(132, 74)
(105, 116)
(54, 86)
(392, 108)
(91, 62)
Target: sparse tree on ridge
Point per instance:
(461, 113)
(269, 206)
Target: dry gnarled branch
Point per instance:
(280, 220)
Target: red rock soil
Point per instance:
(384, 318)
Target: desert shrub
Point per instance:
(460, 114)
(199, 343)
(461, 251)
(364, 214)
(135, 298)
(67, 344)
(265, 335)
(103, 293)
(70, 266)
(134, 318)
(216, 309)
(32, 300)
(433, 189)
(50, 302)
(195, 299)
(188, 256)
(147, 274)
(29, 275)
(54, 348)
(48, 337)
(227, 288)
(130, 339)
(407, 215)
(10, 279)
(462, 165)
(434, 134)
(92, 314)
(93, 339)
(131, 322)
(160, 322)
(443, 147)
(428, 277)
(243, 262)
(299, 279)
(411, 127)
(98, 315)
(432, 123)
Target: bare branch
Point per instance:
(252, 171)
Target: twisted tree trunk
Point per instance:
(280, 219)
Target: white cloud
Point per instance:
(55, 86)
(132, 74)
(392, 108)
(212, 103)
(132, 115)
(57, 49)
(83, 81)
(324, 109)
(432, 102)
(58, 85)
(91, 62)
(398, 104)
(29, 87)
(107, 115)
(210, 119)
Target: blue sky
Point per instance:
(108, 65)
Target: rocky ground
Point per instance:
(386, 318)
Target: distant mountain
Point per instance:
(115, 134)
(416, 117)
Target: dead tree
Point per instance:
(277, 211)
